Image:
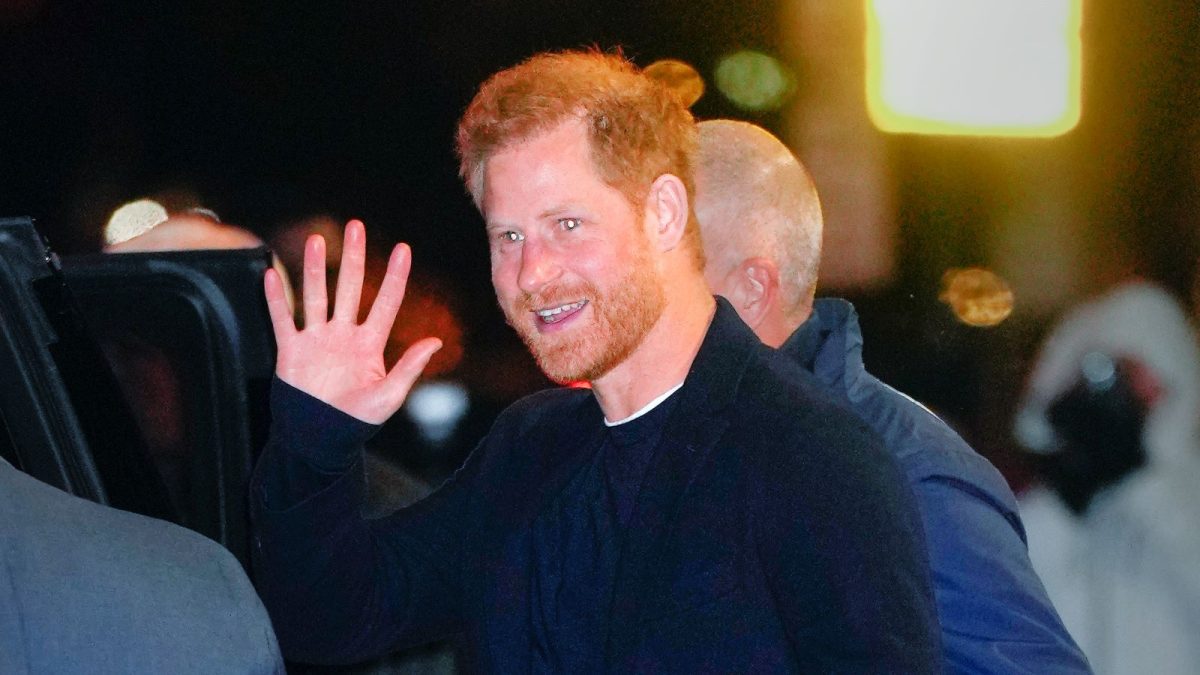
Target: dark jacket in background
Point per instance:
(994, 613)
(772, 533)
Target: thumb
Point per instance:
(406, 371)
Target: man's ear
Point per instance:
(755, 290)
(667, 210)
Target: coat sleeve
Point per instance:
(341, 588)
(841, 548)
(995, 615)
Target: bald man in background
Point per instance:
(187, 231)
(761, 224)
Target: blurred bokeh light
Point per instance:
(974, 67)
(754, 81)
(436, 407)
(681, 77)
(977, 296)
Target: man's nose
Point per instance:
(539, 266)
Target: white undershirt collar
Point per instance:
(646, 408)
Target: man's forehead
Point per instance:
(538, 158)
(569, 129)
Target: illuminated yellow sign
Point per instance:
(974, 67)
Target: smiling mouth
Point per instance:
(556, 314)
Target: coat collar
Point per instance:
(829, 344)
(713, 379)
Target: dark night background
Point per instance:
(270, 112)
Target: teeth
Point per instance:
(549, 314)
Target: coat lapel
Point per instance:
(559, 449)
(550, 454)
(692, 431)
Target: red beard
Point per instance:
(615, 324)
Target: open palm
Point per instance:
(336, 359)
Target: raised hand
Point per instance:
(339, 360)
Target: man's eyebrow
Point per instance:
(555, 211)
(552, 212)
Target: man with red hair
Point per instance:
(702, 508)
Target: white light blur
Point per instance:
(986, 67)
(437, 408)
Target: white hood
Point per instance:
(1126, 578)
(1142, 322)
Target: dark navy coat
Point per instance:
(771, 534)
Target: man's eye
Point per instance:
(569, 223)
(509, 236)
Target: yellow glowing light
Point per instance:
(977, 296)
(680, 77)
(753, 80)
(974, 67)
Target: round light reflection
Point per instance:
(680, 77)
(977, 296)
(754, 80)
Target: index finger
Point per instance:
(282, 321)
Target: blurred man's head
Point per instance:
(145, 226)
(196, 229)
(579, 164)
(760, 219)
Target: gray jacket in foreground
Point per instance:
(85, 588)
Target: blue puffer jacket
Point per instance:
(994, 613)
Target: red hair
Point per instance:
(637, 127)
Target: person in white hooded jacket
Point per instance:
(1112, 409)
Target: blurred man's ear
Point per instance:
(754, 291)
